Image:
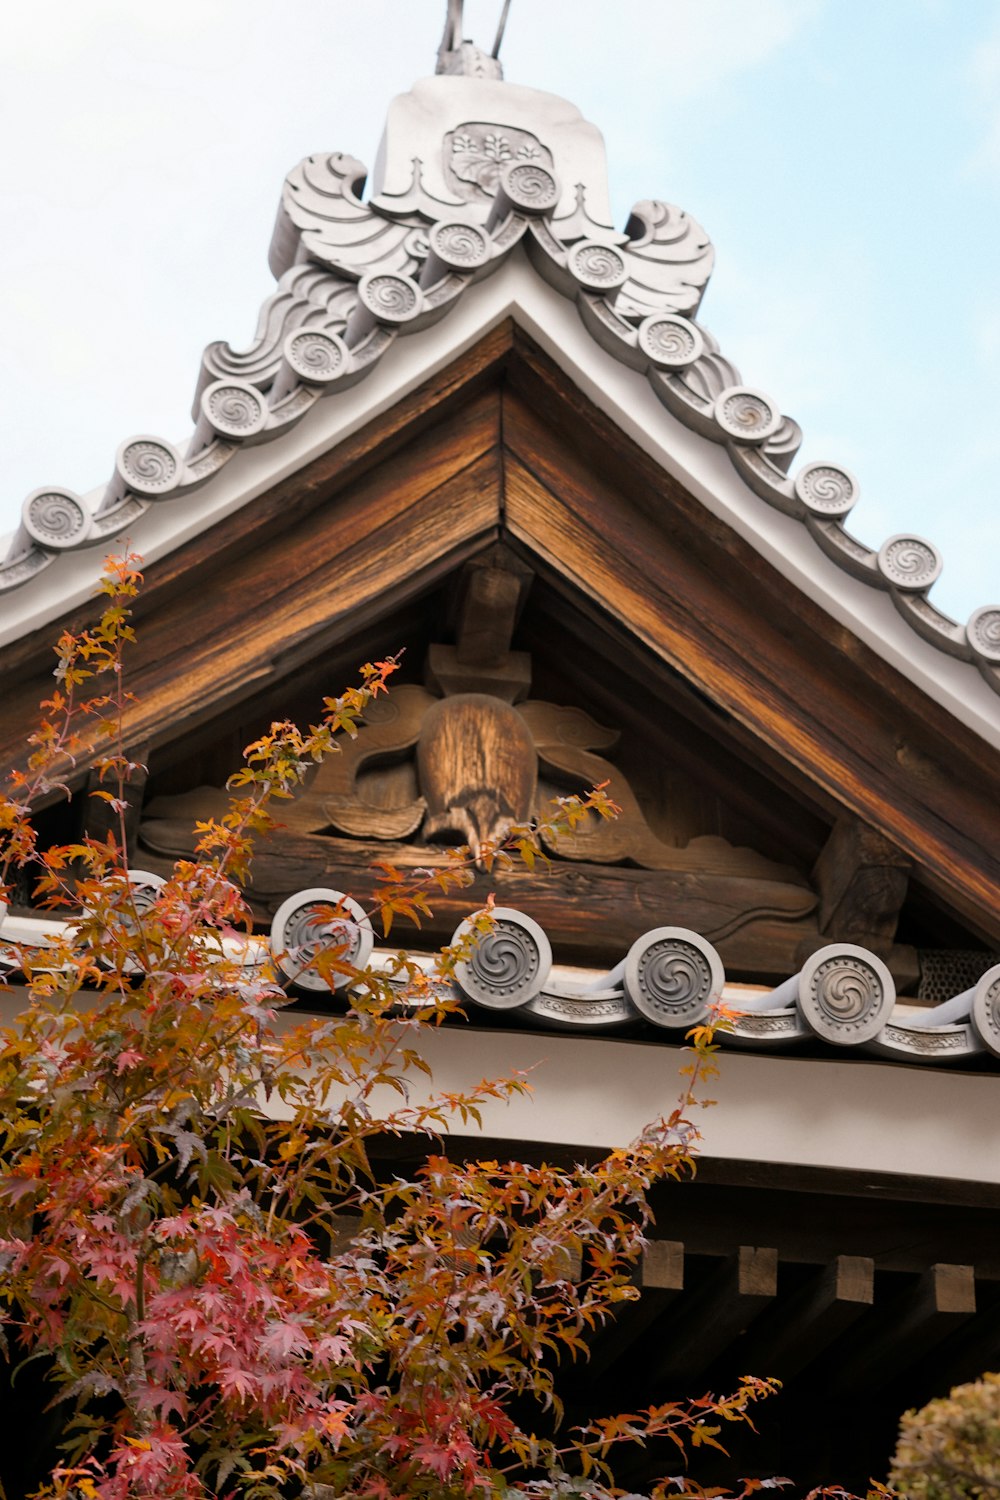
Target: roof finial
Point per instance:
(459, 55)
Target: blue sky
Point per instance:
(844, 155)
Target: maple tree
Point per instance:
(178, 1150)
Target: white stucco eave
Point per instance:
(516, 291)
(854, 1115)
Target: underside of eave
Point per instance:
(501, 444)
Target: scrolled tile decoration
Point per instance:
(315, 356)
(669, 341)
(459, 246)
(55, 518)
(149, 466)
(303, 926)
(137, 894)
(598, 267)
(746, 415)
(908, 562)
(983, 631)
(826, 490)
(672, 976)
(390, 298)
(985, 1014)
(530, 187)
(845, 994)
(508, 966)
(234, 410)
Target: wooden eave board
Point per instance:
(502, 444)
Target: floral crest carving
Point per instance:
(475, 153)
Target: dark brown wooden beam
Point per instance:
(487, 616)
(912, 1324)
(708, 1322)
(659, 1279)
(970, 1349)
(797, 1331)
(592, 911)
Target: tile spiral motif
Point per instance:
(148, 467)
(746, 415)
(670, 341)
(55, 518)
(394, 299)
(986, 1010)
(530, 187)
(909, 562)
(314, 355)
(234, 410)
(597, 266)
(508, 966)
(846, 994)
(459, 245)
(303, 927)
(984, 632)
(826, 490)
(672, 976)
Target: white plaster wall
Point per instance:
(851, 1114)
(597, 1092)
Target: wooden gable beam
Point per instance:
(593, 511)
(321, 555)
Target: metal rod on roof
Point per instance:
(501, 28)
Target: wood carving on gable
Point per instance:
(458, 760)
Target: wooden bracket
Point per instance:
(494, 588)
(792, 1336)
(910, 1326)
(660, 1275)
(862, 880)
(719, 1312)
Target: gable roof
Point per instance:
(490, 203)
(473, 354)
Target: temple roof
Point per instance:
(841, 1001)
(472, 360)
(489, 201)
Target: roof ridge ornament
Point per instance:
(458, 55)
(465, 174)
